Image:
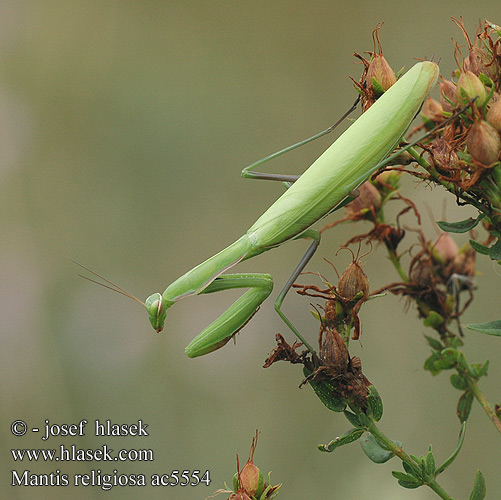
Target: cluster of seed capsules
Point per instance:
(467, 151)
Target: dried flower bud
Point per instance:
(251, 479)
(432, 110)
(353, 282)
(421, 273)
(468, 87)
(369, 197)
(380, 76)
(445, 248)
(443, 155)
(483, 143)
(447, 95)
(481, 61)
(494, 115)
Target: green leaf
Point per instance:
(434, 343)
(479, 488)
(326, 393)
(483, 369)
(430, 463)
(490, 328)
(375, 450)
(375, 403)
(459, 227)
(455, 452)
(406, 480)
(478, 247)
(458, 382)
(433, 320)
(449, 355)
(495, 250)
(346, 438)
(353, 419)
(464, 406)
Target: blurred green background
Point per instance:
(123, 128)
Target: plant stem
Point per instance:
(480, 397)
(400, 453)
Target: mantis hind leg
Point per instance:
(248, 173)
(315, 235)
(226, 326)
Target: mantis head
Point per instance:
(157, 307)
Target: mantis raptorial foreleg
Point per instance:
(236, 316)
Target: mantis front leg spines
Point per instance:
(346, 164)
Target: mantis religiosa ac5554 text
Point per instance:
(322, 188)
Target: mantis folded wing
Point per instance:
(323, 187)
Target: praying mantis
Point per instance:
(322, 188)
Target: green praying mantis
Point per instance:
(324, 187)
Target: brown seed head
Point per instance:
(483, 143)
(353, 282)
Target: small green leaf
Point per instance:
(462, 362)
(479, 248)
(430, 463)
(406, 480)
(375, 450)
(432, 364)
(459, 227)
(352, 418)
(495, 250)
(375, 403)
(479, 488)
(479, 369)
(409, 469)
(482, 371)
(464, 406)
(449, 355)
(434, 343)
(490, 328)
(346, 438)
(458, 382)
(455, 452)
(433, 320)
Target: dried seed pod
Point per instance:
(421, 273)
(353, 282)
(494, 115)
(251, 478)
(443, 155)
(333, 352)
(483, 143)
(368, 198)
(447, 95)
(380, 77)
(432, 110)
